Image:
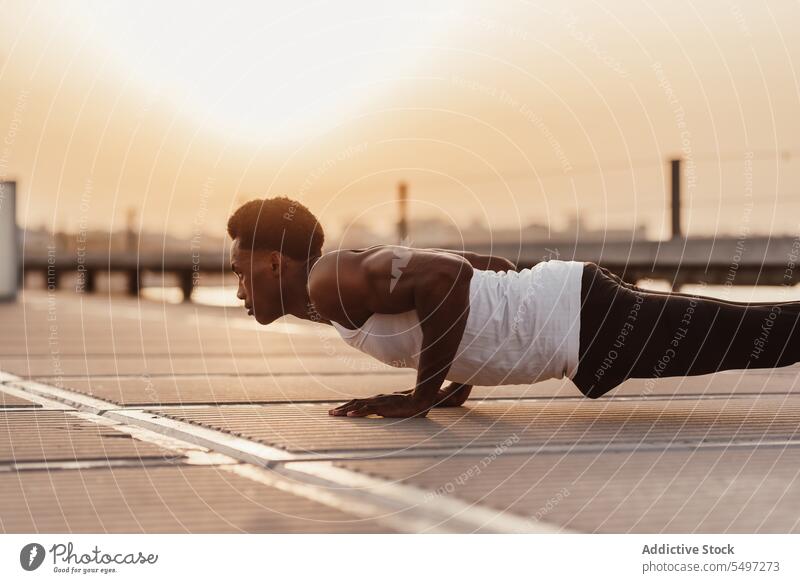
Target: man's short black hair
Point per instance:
(277, 224)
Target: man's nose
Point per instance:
(240, 293)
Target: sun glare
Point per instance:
(265, 72)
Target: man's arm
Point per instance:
(441, 299)
(436, 285)
(482, 262)
(456, 394)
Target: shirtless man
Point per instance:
(473, 319)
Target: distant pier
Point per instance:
(713, 260)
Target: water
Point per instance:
(225, 296)
(735, 293)
(210, 295)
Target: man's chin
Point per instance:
(264, 320)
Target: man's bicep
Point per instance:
(443, 288)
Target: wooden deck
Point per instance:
(123, 415)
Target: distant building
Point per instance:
(576, 230)
(434, 232)
(357, 234)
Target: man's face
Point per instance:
(259, 282)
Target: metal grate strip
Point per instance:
(309, 428)
(161, 500)
(738, 490)
(35, 436)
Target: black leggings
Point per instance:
(629, 332)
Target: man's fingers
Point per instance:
(394, 405)
(372, 406)
(343, 409)
(362, 411)
(356, 404)
(344, 406)
(341, 412)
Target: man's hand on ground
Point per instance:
(453, 395)
(394, 405)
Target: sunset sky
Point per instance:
(509, 112)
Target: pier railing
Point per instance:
(714, 260)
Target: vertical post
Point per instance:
(9, 244)
(676, 198)
(131, 242)
(134, 277)
(186, 282)
(89, 281)
(52, 277)
(402, 223)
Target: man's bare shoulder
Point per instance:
(379, 278)
(382, 261)
(354, 263)
(339, 277)
(325, 272)
(376, 264)
(342, 266)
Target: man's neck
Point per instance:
(308, 310)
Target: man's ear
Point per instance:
(275, 262)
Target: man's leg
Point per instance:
(639, 334)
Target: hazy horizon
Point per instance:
(510, 114)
